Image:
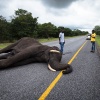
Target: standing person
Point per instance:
(93, 35)
(61, 41)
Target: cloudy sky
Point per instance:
(74, 14)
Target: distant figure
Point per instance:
(61, 41)
(93, 36)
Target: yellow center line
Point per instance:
(50, 87)
(76, 53)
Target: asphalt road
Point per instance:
(30, 81)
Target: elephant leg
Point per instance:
(5, 55)
(9, 47)
(21, 56)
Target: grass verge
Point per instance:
(98, 40)
(3, 45)
(47, 40)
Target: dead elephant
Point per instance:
(28, 50)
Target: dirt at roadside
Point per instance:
(98, 49)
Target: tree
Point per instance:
(46, 30)
(68, 32)
(23, 24)
(4, 29)
(77, 32)
(97, 29)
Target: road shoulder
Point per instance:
(98, 49)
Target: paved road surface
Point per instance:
(30, 81)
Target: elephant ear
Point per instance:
(49, 50)
(47, 55)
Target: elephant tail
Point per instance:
(68, 70)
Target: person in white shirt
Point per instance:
(61, 41)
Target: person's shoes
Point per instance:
(91, 51)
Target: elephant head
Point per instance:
(54, 61)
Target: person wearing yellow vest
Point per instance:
(93, 36)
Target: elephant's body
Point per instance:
(28, 50)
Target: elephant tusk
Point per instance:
(51, 68)
(55, 51)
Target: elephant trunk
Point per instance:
(56, 66)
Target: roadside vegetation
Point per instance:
(23, 24)
(98, 39)
(2, 45)
(47, 40)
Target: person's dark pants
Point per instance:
(93, 46)
(61, 46)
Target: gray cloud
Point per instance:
(57, 3)
(75, 14)
(4, 3)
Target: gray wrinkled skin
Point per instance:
(28, 50)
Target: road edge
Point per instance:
(98, 49)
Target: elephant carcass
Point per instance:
(28, 50)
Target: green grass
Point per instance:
(98, 40)
(2, 45)
(50, 39)
(47, 40)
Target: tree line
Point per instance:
(22, 24)
(97, 29)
